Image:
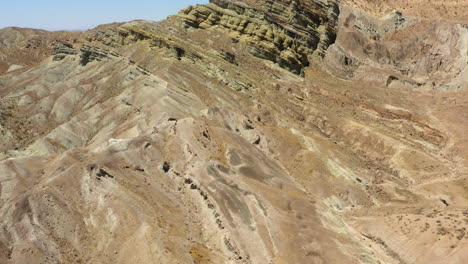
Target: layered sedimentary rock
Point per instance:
(285, 32)
(237, 132)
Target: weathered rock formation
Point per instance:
(284, 32)
(250, 131)
(437, 56)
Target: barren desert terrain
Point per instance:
(240, 131)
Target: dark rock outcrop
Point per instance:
(89, 54)
(61, 50)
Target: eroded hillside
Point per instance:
(238, 132)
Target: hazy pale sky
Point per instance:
(84, 14)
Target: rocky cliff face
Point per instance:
(284, 32)
(237, 132)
